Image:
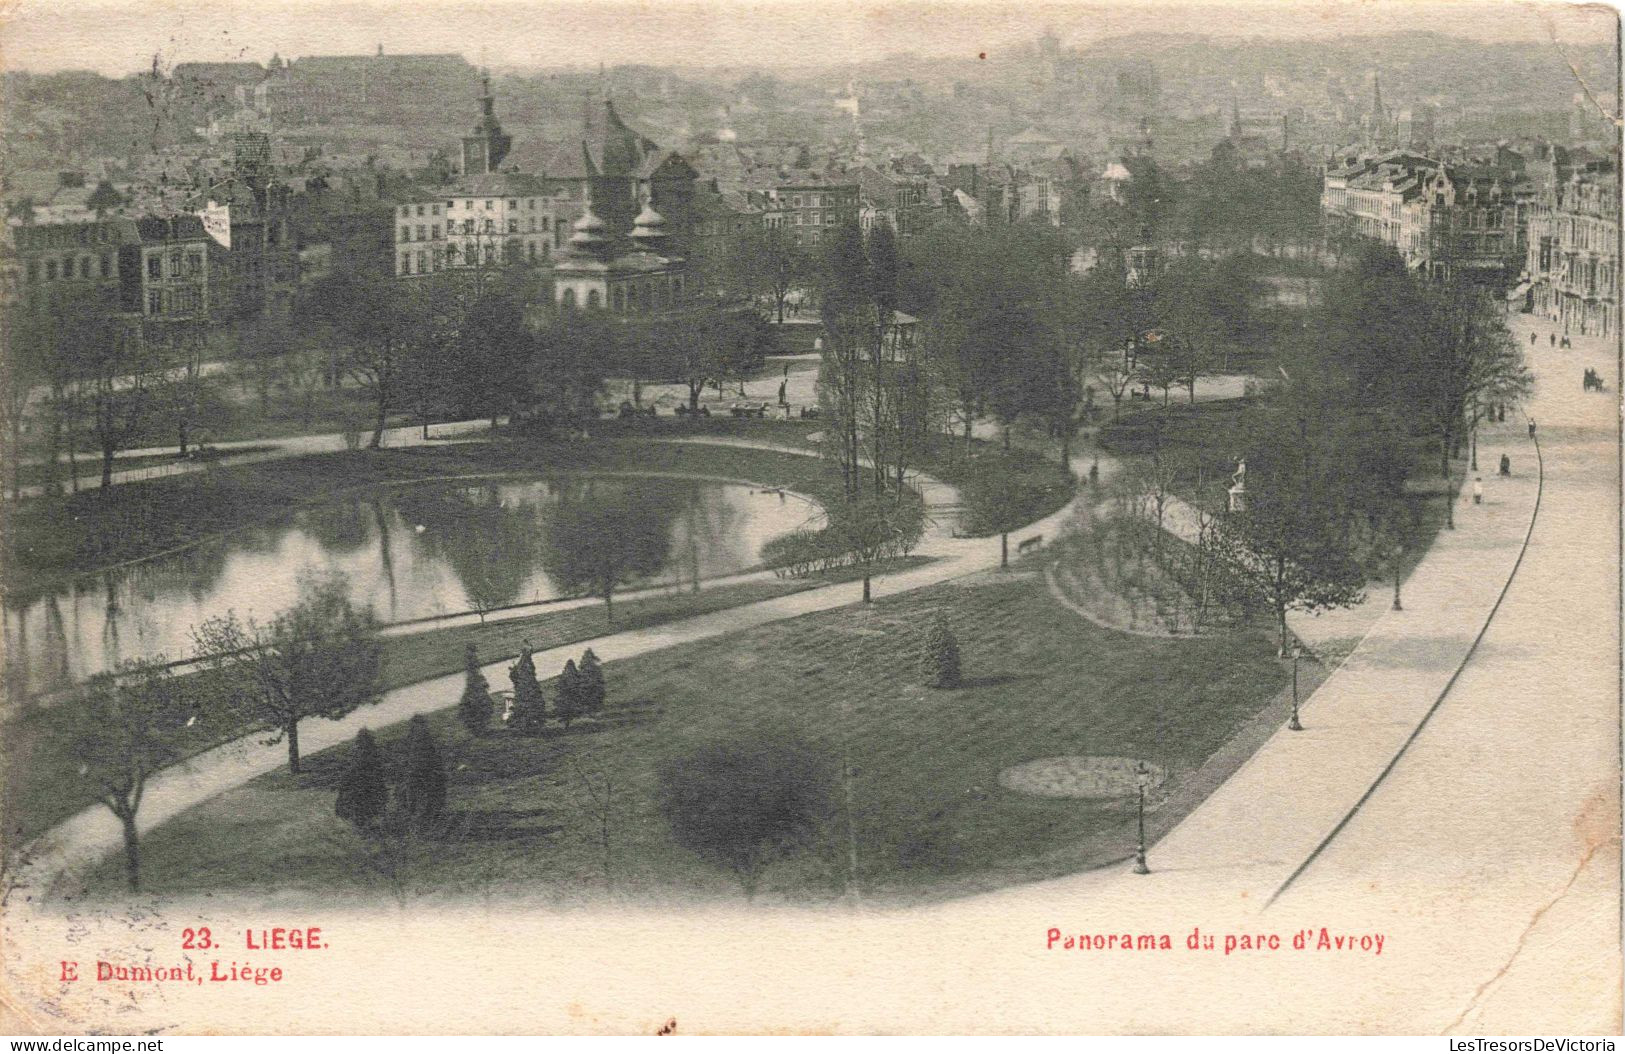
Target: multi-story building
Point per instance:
(620, 171)
(501, 219)
(156, 268)
(903, 201)
(1573, 259)
(164, 276)
(255, 265)
(1442, 219)
(807, 204)
(48, 266)
(490, 218)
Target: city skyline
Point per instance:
(119, 37)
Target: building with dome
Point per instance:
(632, 273)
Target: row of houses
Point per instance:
(1547, 233)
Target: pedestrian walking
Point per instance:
(1478, 490)
(1094, 473)
(1553, 338)
(1531, 428)
(1531, 336)
(1506, 465)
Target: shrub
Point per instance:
(422, 792)
(476, 706)
(363, 791)
(744, 804)
(940, 658)
(529, 705)
(802, 553)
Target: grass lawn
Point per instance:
(927, 813)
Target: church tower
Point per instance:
(484, 150)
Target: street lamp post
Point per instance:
(1142, 778)
(1399, 551)
(1295, 725)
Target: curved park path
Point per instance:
(88, 835)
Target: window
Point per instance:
(434, 210)
(569, 298)
(487, 204)
(450, 205)
(420, 210)
(423, 262)
(468, 226)
(530, 202)
(33, 270)
(406, 263)
(490, 252)
(513, 226)
(439, 259)
(544, 222)
(490, 225)
(593, 299)
(155, 266)
(421, 235)
(513, 204)
(434, 231)
(107, 267)
(174, 262)
(406, 234)
(50, 270)
(194, 264)
(155, 302)
(532, 226)
(531, 251)
(406, 210)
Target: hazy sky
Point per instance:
(121, 36)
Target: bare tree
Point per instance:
(124, 729)
(317, 659)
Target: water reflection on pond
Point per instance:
(426, 550)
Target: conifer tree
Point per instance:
(593, 690)
(529, 705)
(567, 696)
(422, 793)
(939, 659)
(363, 792)
(475, 708)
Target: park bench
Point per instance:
(748, 410)
(683, 411)
(1027, 545)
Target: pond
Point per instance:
(426, 550)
